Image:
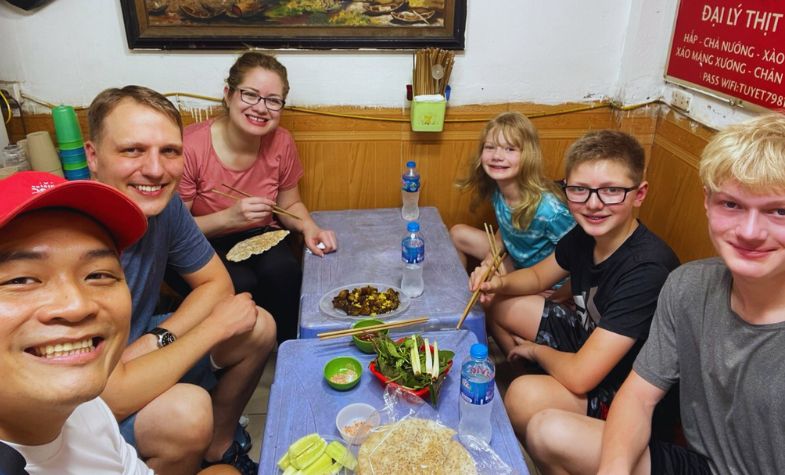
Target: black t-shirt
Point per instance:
(11, 461)
(620, 293)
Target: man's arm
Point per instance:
(582, 371)
(210, 285)
(133, 384)
(628, 428)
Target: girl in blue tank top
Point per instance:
(530, 211)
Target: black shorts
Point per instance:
(670, 459)
(561, 329)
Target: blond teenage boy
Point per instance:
(616, 268)
(720, 326)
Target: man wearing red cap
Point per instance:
(136, 147)
(64, 320)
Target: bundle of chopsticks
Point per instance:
(425, 62)
(276, 209)
(371, 328)
(498, 257)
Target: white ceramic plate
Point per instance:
(326, 303)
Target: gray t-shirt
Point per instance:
(731, 373)
(173, 239)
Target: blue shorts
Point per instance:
(201, 374)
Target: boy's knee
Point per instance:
(546, 432)
(523, 398)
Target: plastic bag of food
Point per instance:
(411, 439)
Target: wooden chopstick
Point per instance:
(371, 329)
(276, 208)
(248, 195)
(224, 194)
(498, 259)
(491, 241)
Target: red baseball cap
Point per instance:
(28, 191)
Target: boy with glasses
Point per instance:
(616, 268)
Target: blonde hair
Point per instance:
(106, 101)
(519, 132)
(751, 153)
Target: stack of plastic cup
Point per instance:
(70, 143)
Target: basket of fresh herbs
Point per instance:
(414, 363)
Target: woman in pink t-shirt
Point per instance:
(246, 150)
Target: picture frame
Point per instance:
(304, 24)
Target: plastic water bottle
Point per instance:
(477, 389)
(410, 192)
(413, 257)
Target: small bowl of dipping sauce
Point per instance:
(343, 372)
(363, 342)
(355, 422)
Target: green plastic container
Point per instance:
(66, 125)
(340, 366)
(428, 116)
(365, 345)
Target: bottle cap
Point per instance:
(413, 226)
(479, 351)
(411, 164)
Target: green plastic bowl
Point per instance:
(337, 368)
(364, 345)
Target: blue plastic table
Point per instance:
(301, 402)
(369, 250)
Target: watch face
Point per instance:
(166, 339)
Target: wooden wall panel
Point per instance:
(674, 207)
(356, 163)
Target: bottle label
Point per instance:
(411, 183)
(412, 254)
(479, 393)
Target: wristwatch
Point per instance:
(165, 337)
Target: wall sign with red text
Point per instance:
(735, 49)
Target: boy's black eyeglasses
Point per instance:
(608, 195)
(252, 98)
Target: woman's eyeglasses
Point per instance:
(608, 195)
(271, 103)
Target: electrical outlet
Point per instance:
(681, 100)
(14, 89)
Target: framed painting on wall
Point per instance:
(311, 24)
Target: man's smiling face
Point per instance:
(64, 310)
(140, 152)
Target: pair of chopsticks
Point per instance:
(276, 209)
(498, 257)
(371, 329)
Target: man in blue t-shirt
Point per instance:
(136, 146)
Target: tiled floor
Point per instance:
(256, 410)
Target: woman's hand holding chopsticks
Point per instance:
(246, 210)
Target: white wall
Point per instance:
(546, 52)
